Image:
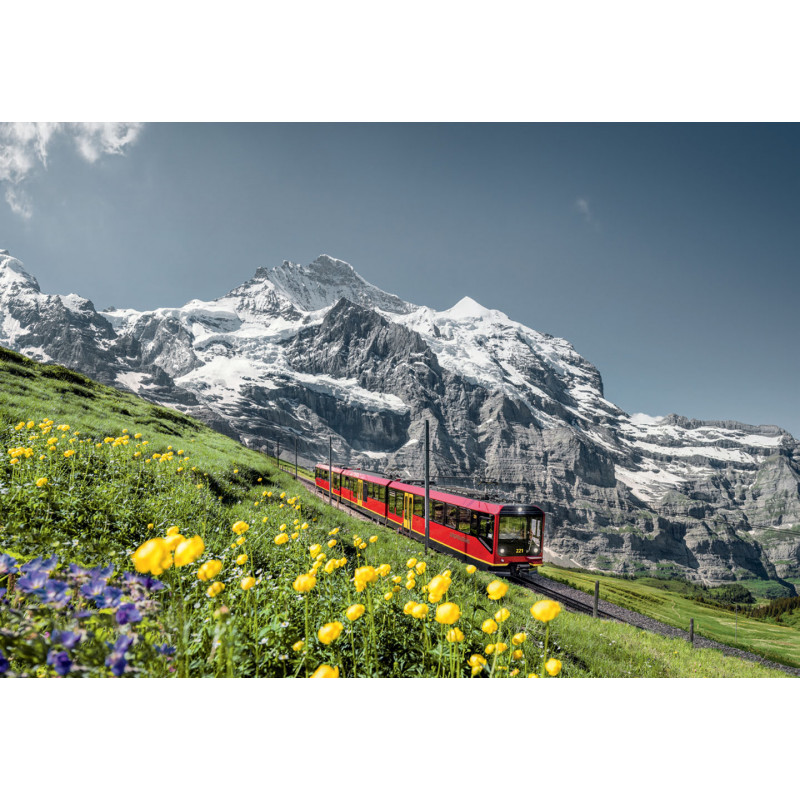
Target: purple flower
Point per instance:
(66, 638)
(117, 663)
(8, 564)
(4, 665)
(55, 592)
(152, 584)
(93, 589)
(165, 650)
(128, 612)
(110, 597)
(75, 571)
(101, 573)
(40, 565)
(60, 661)
(33, 583)
(123, 643)
(2, 593)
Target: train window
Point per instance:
(382, 494)
(483, 528)
(519, 535)
(437, 511)
(464, 520)
(337, 481)
(392, 500)
(367, 490)
(451, 516)
(419, 506)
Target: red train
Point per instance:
(506, 539)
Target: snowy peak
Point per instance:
(13, 274)
(467, 308)
(320, 284)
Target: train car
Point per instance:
(503, 538)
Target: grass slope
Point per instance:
(113, 492)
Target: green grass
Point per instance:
(763, 637)
(97, 505)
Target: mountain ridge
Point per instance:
(316, 351)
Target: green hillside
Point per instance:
(246, 573)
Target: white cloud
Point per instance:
(582, 204)
(24, 146)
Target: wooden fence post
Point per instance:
(596, 598)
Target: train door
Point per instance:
(360, 493)
(408, 510)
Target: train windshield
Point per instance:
(519, 535)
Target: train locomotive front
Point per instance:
(507, 539)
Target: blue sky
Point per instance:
(666, 253)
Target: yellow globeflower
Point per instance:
(439, 585)
(354, 612)
(470, 569)
(388, 595)
(433, 597)
(518, 638)
(240, 527)
(314, 549)
(173, 531)
(241, 540)
(366, 575)
(282, 527)
(189, 551)
(420, 611)
(409, 607)
(281, 538)
(448, 613)
(496, 590)
(517, 655)
(41, 483)
(476, 660)
(411, 563)
(295, 535)
(248, 583)
(421, 567)
(209, 570)
(489, 649)
(330, 565)
(174, 539)
(148, 556)
(330, 632)
(455, 635)
(502, 615)
(242, 559)
(373, 539)
(545, 610)
(326, 671)
(533, 675)
(501, 647)
(410, 584)
(304, 583)
(553, 667)
(299, 645)
(489, 626)
(332, 542)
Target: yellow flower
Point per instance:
(501, 647)
(281, 538)
(433, 597)
(388, 595)
(174, 539)
(304, 583)
(248, 583)
(373, 539)
(553, 667)
(470, 569)
(421, 566)
(236, 472)
(314, 549)
(420, 611)
(242, 559)
(411, 563)
(489, 649)
(502, 615)
(240, 527)
(518, 638)
(295, 535)
(518, 655)
(209, 570)
(241, 540)
(330, 565)
(330, 632)
(533, 675)
(282, 527)
(41, 483)
(149, 555)
(354, 612)
(68, 453)
(545, 610)
(332, 543)
(326, 671)
(173, 531)
(409, 606)
(439, 585)
(496, 590)
(362, 546)
(476, 660)
(365, 575)
(188, 551)
(455, 635)
(299, 645)
(448, 613)
(150, 526)
(411, 584)
(304, 526)
(489, 626)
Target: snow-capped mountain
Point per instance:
(312, 351)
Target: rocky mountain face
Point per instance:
(315, 351)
